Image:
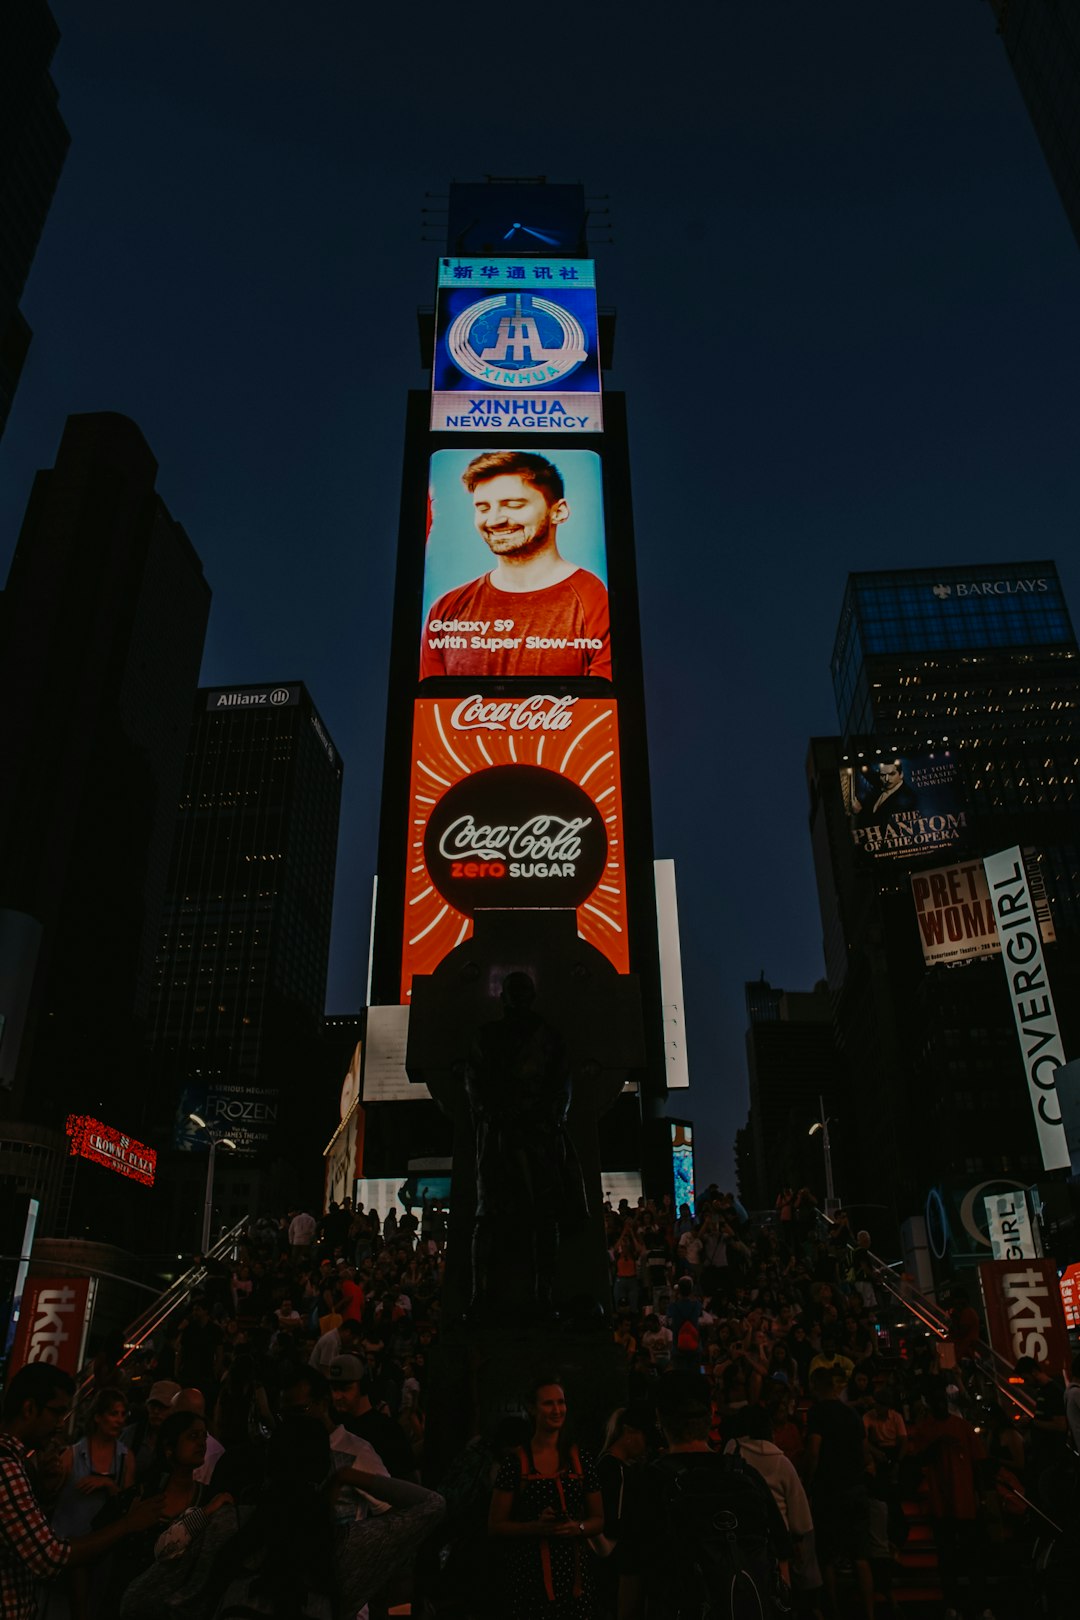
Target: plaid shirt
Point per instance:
(29, 1551)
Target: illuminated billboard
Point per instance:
(515, 566)
(956, 916)
(516, 347)
(682, 1165)
(901, 806)
(514, 803)
(103, 1145)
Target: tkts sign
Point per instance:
(516, 803)
(53, 1318)
(1024, 1314)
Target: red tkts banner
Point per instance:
(105, 1145)
(52, 1323)
(1024, 1314)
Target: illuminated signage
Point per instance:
(53, 1318)
(992, 587)
(682, 1165)
(956, 915)
(515, 802)
(249, 697)
(516, 347)
(515, 569)
(902, 806)
(1024, 1314)
(1032, 1003)
(90, 1139)
(248, 1113)
(1070, 1296)
(1009, 1228)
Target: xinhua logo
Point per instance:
(942, 591)
(516, 340)
(280, 694)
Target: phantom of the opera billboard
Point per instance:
(514, 802)
(515, 566)
(902, 806)
(516, 347)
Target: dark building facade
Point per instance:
(101, 638)
(958, 691)
(33, 146)
(1042, 38)
(792, 1066)
(240, 971)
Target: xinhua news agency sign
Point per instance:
(1032, 1003)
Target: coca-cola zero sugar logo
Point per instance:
(515, 836)
(540, 712)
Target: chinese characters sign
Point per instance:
(516, 347)
(90, 1139)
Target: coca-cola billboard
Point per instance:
(53, 1317)
(515, 802)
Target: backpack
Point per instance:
(689, 1337)
(720, 1539)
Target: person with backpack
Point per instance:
(683, 1318)
(545, 1506)
(704, 1537)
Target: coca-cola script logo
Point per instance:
(541, 712)
(515, 835)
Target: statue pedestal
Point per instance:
(594, 1014)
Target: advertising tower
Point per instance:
(515, 856)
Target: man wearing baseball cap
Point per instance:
(140, 1437)
(350, 1388)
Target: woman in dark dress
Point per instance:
(545, 1505)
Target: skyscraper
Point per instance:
(958, 693)
(1042, 38)
(240, 972)
(792, 1066)
(101, 637)
(33, 146)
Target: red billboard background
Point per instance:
(458, 738)
(1024, 1314)
(52, 1323)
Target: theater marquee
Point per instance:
(515, 803)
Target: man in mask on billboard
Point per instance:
(890, 796)
(535, 613)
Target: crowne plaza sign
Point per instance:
(104, 1145)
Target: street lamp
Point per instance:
(832, 1203)
(216, 1140)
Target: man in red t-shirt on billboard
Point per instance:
(535, 613)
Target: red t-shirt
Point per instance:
(352, 1300)
(564, 629)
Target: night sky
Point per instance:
(832, 223)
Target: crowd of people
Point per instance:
(264, 1454)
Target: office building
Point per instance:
(792, 1066)
(240, 970)
(33, 146)
(1042, 38)
(957, 691)
(101, 636)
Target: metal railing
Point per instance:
(991, 1368)
(174, 1298)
